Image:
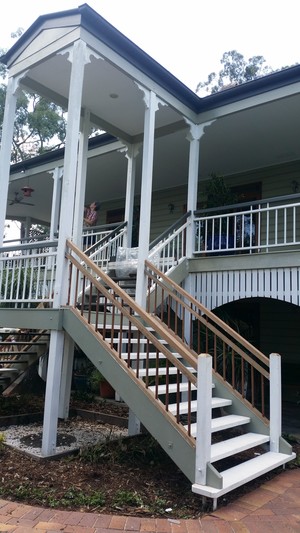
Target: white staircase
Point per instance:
(229, 436)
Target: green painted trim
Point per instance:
(135, 396)
(31, 318)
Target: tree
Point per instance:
(236, 70)
(40, 125)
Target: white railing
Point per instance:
(263, 226)
(27, 273)
(106, 249)
(95, 234)
(167, 251)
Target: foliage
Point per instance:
(16, 284)
(38, 231)
(2, 441)
(218, 193)
(20, 404)
(96, 377)
(40, 125)
(235, 71)
(129, 450)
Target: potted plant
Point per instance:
(100, 385)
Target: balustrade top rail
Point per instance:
(286, 199)
(21, 247)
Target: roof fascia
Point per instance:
(249, 102)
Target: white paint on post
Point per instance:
(6, 144)
(71, 164)
(56, 197)
(81, 178)
(52, 393)
(194, 136)
(204, 403)
(275, 401)
(146, 195)
(79, 58)
(66, 378)
(131, 155)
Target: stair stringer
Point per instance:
(151, 412)
(239, 406)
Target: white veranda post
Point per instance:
(12, 93)
(78, 58)
(196, 131)
(151, 103)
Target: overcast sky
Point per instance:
(186, 37)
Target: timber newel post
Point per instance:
(275, 401)
(204, 402)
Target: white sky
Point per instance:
(186, 37)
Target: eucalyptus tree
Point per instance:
(235, 71)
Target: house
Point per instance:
(150, 169)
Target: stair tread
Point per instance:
(228, 421)
(161, 389)
(184, 406)
(134, 340)
(228, 447)
(161, 371)
(12, 361)
(244, 472)
(222, 422)
(21, 342)
(124, 327)
(17, 352)
(144, 355)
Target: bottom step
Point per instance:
(243, 473)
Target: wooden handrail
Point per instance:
(201, 309)
(243, 367)
(135, 309)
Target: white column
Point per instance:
(146, 195)
(12, 92)
(204, 402)
(66, 379)
(56, 197)
(52, 393)
(275, 401)
(194, 136)
(131, 155)
(71, 163)
(81, 177)
(79, 59)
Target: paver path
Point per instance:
(273, 507)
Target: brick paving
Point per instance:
(273, 507)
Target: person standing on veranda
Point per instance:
(90, 218)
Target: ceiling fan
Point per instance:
(19, 199)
